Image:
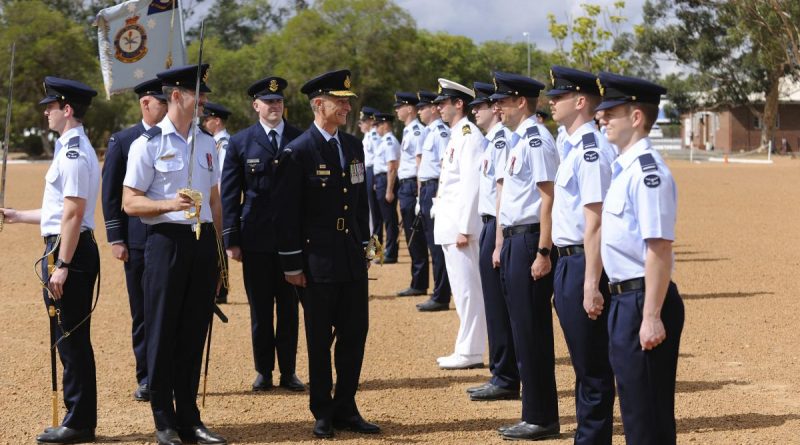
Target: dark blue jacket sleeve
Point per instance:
(289, 188)
(231, 186)
(114, 169)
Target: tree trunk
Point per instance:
(770, 116)
(48, 149)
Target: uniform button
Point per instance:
(323, 184)
(343, 174)
(345, 207)
(345, 190)
(308, 241)
(275, 161)
(346, 230)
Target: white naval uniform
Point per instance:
(641, 203)
(159, 166)
(73, 173)
(457, 213)
(583, 178)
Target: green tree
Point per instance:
(240, 22)
(592, 37)
(731, 46)
(67, 53)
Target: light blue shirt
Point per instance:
(371, 140)
(413, 136)
(433, 148)
(641, 203)
(583, 178)
(533, 159)
(388, 149)
(492, 159)
(222, 139)
(159, 166)
(74, 173)
(328, 138)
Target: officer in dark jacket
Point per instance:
(323, 229)
(249, 234)
(127, 234)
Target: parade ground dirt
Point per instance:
(736, 265)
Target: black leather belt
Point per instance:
(570, 250)
(86, 234)
(412, 179)
(429, 182)
(380, 174)
(626, 286)
(177, 228)
(487, 218)
(522, 228)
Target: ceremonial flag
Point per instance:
(138, 39)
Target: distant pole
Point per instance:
(527, 36)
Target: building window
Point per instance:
(757, 122)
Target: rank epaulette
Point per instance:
(532, 131)
(648, 162)
(152, 132)
(74, 142)
(441, 127)
(465, 130)
(589, 141)
(498, 135)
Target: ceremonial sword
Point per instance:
(7, 135)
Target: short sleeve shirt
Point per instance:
(433, 148)
(387, 150)
(641, 204)
(491, 162)
(410, 146)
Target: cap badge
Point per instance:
(600, 87)
(552, 79)
(273, 85)
(494, 81)
(347, 82)
(439, 91)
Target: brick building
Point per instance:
(732, 129)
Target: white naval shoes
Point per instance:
(459, 361)
(446, 357)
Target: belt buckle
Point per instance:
(613, 287)
(340, 224)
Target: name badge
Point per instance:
(357, 172)
(323, 172)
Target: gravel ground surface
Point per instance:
(736, 265)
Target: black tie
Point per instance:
(335, 145)
(273, 139)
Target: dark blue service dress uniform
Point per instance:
(249, 170)
(323, 229)
(129, 230)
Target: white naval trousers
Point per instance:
(465, 283)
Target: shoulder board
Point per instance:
(203, 130)
(442, 127)
(589, 141)
(152, 132)
(74, 142)
(647, 162)
(375, 136)
(532, 131)
(499, 135)
(465, 130)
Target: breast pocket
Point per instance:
(563, 178)
(52, 174)
(169, 163)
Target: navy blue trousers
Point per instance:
(343, 309)
(441, 284)
(75, 351)
(587, 341)
(645, 379)
(532, 327)
(268, 292)
(374, 210)
(389, 215)
(502, 359)
(418, 247)
(180, 280)
(134, 271)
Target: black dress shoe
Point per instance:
(262, 383)
(142, 393)
(505, 428)
(356, 424)
(64, 434)
(201, 434)
(387, 260)
(472, 389)
(494, 392)
(432, 306)
(292, 383)
(323, 428)
(410, 292)
(168, 436)
(529, 431)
